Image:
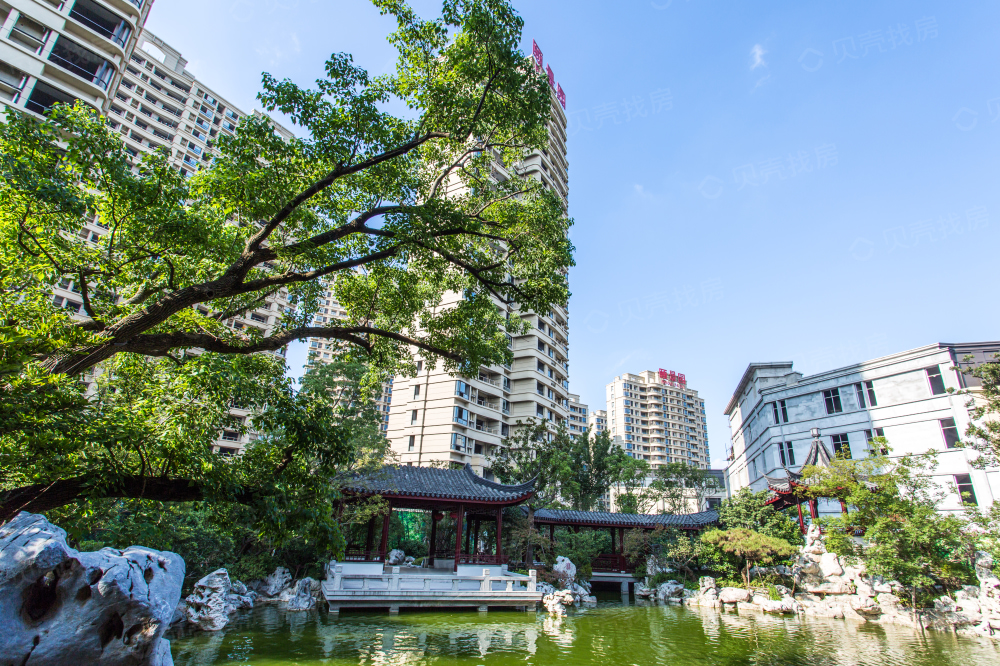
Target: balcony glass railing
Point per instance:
(82, 62)
(101, 21)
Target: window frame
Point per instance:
(841, 442)
(935, 380)
(833, 401)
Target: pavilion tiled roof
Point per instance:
(607, 519)
(436, 483)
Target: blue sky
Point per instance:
(802, 181)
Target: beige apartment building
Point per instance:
(579, 413)
(655, 416)
(62, 51)
(597, 421)
(439, 417)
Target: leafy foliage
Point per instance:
(750, 548)
(894, 503)
(682, 487)
(391, 212)
(746, 510)
(983, 431)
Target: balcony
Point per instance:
(43, 96)
(495, 406)
(492, 430)
(82, 62)
(29, 34)
(105, 23)
(12, 82)
(486, 380)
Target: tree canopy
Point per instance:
(391, 211)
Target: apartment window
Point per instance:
(458, 442)
(416, 391)
(841, 447)
(870, 390)
(859, 390)
(539, 411)
(462, 416)
(935, 380)
(965, 489)
(412, 443)
(833, 404)
(871, 436)
(950, 432)
(420, 366)
(786, 453)
(461, 389)
(540, 388)
(413, 416)
(230, 435)
(753, 467)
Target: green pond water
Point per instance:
(612, 634)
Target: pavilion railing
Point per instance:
(481, 558)
(609, 562)
(359, 554)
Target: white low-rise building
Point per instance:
(910, 398)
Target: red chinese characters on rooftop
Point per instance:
(536, 54)
(672, 378)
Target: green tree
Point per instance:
(682, 485)
(534, 451)
(750, 548)
(393, 211)
(894, 503)
(593, 463)
(631, 480)
(983, 432)
(746, 509)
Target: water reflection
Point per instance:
(613, 634)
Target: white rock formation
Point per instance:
(565, 571)
(208, 606)
(62, 606)
(556, 603)
(304, 595)
(395, 557)
(670, 591)
(276, 583)
(732, 595)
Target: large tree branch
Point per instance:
(43, 497)
(255, 241)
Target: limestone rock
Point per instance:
(732, 595)
(670, 590)
(303, 598)
(545, 588)
(62, 606)
(395, 557)
(557, 602)
(209, 604)
(409, 560)
(565, 571)
(783, 605)
(706, 583)
(643, 591)
(276, 582)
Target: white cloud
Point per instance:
(757, 53)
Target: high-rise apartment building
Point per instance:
(438, 417)
(908, 398)
(655, 416)
(579, 414)
(65, 50)
(597, 421)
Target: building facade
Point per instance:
(775, 413)
(656, 417)
(438, 417)
(579, 414)
(597, 421)
(53, 51)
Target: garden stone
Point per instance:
(669, 590)
(239, 588)
(545, 588)
(276, 582)
(62, 606)
(209, 605)
(565, 571)
(409, 560)
(303, 598)
(395, 558)
(732, 595)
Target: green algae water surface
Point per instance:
(613, 634)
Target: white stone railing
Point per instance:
(415, 582)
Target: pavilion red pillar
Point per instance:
(614, 551)
(802, 523)
(432, 545)
(499, 535)
(552, 535)
(459, 519)
(843, 506)
(468, 533)
(814, 508)
(384, 546)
